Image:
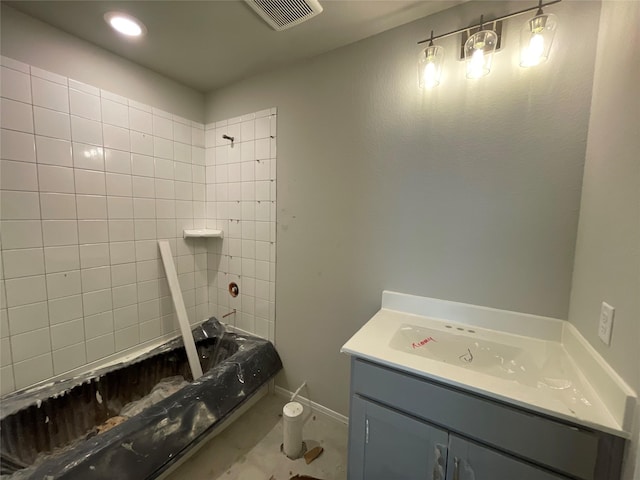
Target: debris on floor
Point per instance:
(312, 454)
(297, 477)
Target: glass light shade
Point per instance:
(430, 66)
(478, 53)
(536, 38)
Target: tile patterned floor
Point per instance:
(250, 448)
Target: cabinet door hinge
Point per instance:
(366, 431)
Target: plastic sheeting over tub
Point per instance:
(53, 431)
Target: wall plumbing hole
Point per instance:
(471, 331)
(448, 326)
(461, 329)
(234, 290)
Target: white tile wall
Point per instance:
(84, 104)
(89, 182)
(15, 85)
(241, 200)
(18, 176)
(27, 318)
(17, 146)
(16, 116)
(50, 123)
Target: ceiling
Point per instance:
(209, 44)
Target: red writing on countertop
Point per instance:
(423, 342)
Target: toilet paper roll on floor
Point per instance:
(292, 429)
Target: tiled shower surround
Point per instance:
(241, 200)
(90, 181)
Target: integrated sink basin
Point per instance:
(539, 366)
(463, 349)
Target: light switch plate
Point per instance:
(606, 323)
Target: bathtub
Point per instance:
(51, 431)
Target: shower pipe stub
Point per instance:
(230, 313)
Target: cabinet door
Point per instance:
(470, 461)
(387, 445)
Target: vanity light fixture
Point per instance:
(478, 48)
(430, 65)
(536, 38)
(125, 24)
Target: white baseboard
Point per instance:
(313, 405)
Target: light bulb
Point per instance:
(534, 51)
(125, 24)
(536, 46)
(476, 66)
(430, 74)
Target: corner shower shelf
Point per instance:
(203, 232)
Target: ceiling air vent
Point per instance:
(283, 14)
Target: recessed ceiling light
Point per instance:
(125, 24)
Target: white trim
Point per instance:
(282, 392)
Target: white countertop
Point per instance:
(537, 363)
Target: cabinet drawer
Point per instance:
(564, 448)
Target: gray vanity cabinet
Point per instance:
(394, 446)
(402, 426)
(388, 445)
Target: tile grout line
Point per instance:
(44, 264)
(77, 227)
(73, 161)
(106, 193)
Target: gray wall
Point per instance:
(607, 261)
(469, 192)
(31, 41)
